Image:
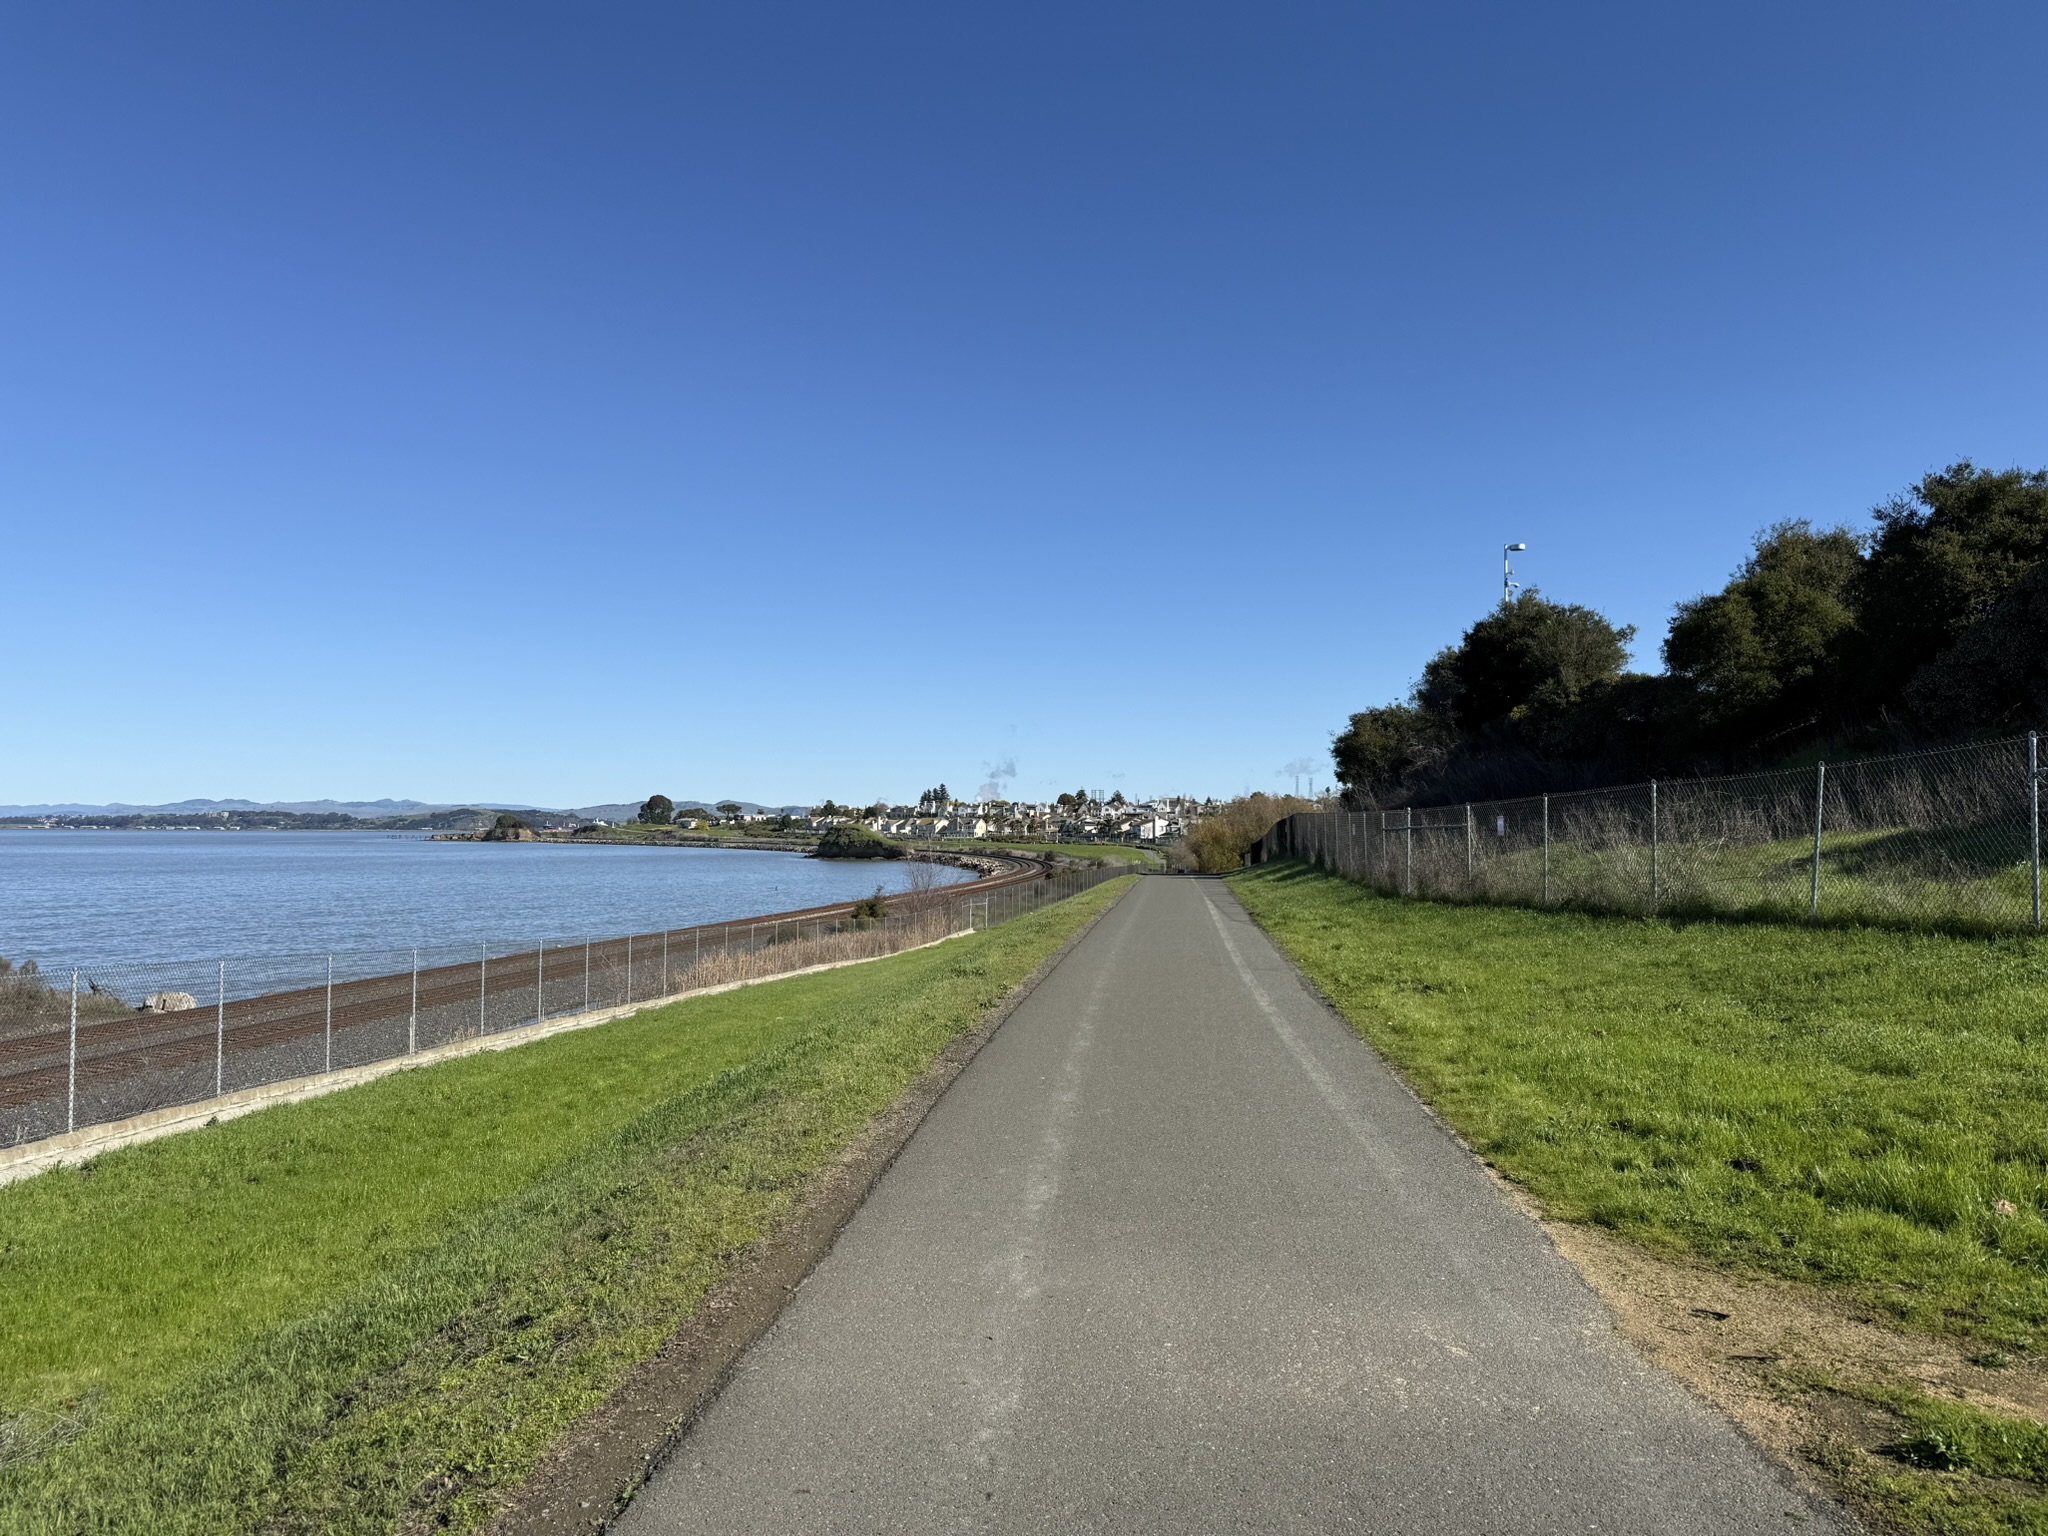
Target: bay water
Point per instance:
(78, 898)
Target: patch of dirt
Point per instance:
(1731, 1336)
(594, 1471)
(1764, 1352)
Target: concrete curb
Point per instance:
(32, 1158)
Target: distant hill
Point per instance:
(361, 808)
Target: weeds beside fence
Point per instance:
(104, 1043)
(1941, 839)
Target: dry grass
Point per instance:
(906, 926)
(30, 1004)
(1219, 842)
(1937, 839)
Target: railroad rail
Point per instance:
(56, 1075)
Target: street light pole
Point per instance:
(1508, 584)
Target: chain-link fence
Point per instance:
(104, 1043)
(1945, 839)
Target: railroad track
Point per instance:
(35, 1068)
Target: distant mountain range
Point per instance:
(365, 809)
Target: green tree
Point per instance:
(657, 810)
(1943, 558)
(1759, 659)
(728, 808)
(1379, 749)
(1995, 677)
(1530, 652)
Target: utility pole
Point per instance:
(1508, 585)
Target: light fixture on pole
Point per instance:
(1508, 585)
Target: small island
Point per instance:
(508, 829)
(852, 841)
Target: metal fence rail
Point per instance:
(103, 1043)
(1949, 838)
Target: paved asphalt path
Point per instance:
(1176, 1253)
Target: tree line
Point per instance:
(1929, 626)
(660, 811)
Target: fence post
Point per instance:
(220, 1030)
(629, 968)
(1408, 851)
(327, 1035)
(1820, 800)
(540, 983)
(412, 1019)
(483, 987)
(1653, 845)
(1546, 850)
(586, 973)
(71, 1079)
(2033, 822)
(664, 962)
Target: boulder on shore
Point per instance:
(168, 1002)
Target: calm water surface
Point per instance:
(87, 898)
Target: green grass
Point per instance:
(1951, 1470)
(379, 1308)
(1843, 1107)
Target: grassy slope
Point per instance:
(1967, 880)
(1840, 1107)
(1837, 1106)
(385, 1304)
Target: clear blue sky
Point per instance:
(561, 403)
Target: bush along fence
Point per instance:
(1946, 839)
(103, 1043)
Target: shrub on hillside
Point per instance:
(1220, 840)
